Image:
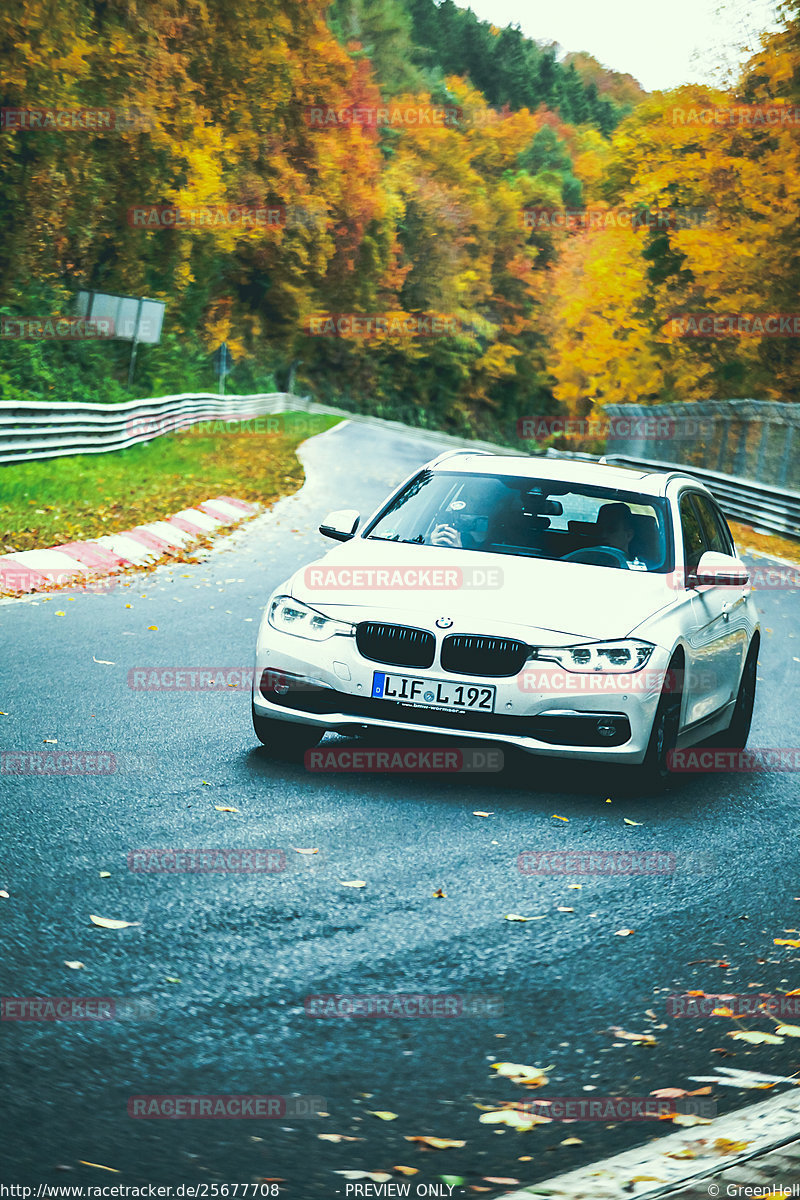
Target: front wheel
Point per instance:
(666, 726)
(284, 739)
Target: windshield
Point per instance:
(535, 518)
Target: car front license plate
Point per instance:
(433, 693)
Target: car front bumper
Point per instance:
(329, 685)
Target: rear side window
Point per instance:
(715, 530)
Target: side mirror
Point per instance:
(340, 525)
(718, 570)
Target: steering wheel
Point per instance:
(598, 556)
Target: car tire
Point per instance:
(739, 729)
(285, 739)
(666, 726)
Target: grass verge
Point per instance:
(747, 539)
(68, 499)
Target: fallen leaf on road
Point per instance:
(353, 882)
(50, 741)
(439, 894)
(686, 1119)
(646, 1039)
(103, 662)
(787, 942)
(337, 1137)
(225, 808)
(517, 917)
(629, 822)
(513, 1118)
(73, 964)
(479, 813)
(726, 1146)
(519, 1073)
(315, 850)
(384, 1114)
(110, 923)
(558, 818)
(4, 895)
(375, 1176)
(572, 1142)
(105, 874)
(63, 614)
(153, 627)
(434, 1143)
(172, 979)
(99, 1166)
(674, 1093)
(624, 932)
(687, 1152)
(406, 1170)
(755, 1037)
(788, 1031)
(499, 1179)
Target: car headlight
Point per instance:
(597, 656)
(292, 616)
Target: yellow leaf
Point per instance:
(624, 932)
(383, 1114)
(755, 1038)
(155, 627)
(514, 1119)
(73, 964)
(628, 822)
(519, 1073)
(406, 1170)
(63, 614)
(99, 1166)
(105, 874)
(225, 808)
(110, 923)
(439, 894)
(353, 882)
(479, 813)
(558, 818)
(314, 851)
(726, 1146)
(787, 942)
(337, 1137)
(436, 1143)
(788, 1030)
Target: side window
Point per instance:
(715, 528)
(694, 543)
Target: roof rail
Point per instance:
(454, 454)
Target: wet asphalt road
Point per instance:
(245, 950)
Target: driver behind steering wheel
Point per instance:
(615, 527)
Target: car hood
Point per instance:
(482, 589)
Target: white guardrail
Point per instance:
(40, 429)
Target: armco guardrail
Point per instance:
(769, 508)
(40, 429)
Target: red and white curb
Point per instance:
(668, 1163)
(73, 562)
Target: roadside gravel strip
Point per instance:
(698, 1156)
(91, 561)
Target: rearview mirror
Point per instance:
(340, 525)
(718, 570)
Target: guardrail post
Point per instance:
(787, 455)
(723, 444)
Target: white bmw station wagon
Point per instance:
(562, 607)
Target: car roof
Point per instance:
(565, 470)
